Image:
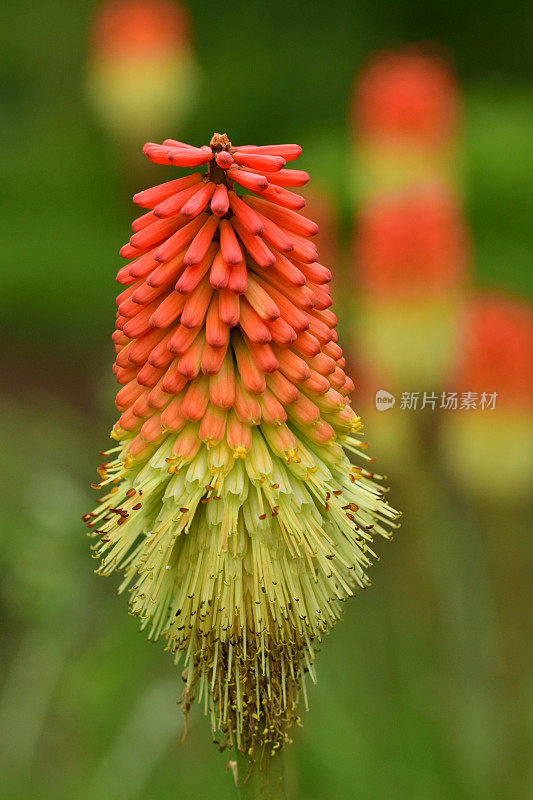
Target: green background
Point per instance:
(425, 688)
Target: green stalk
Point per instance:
(262, 784)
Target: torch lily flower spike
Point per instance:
(230, 505)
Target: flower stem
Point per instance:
(262, 784)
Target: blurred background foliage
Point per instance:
(425, 688)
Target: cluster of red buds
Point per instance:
(410, 251)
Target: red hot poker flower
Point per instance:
(233, 510)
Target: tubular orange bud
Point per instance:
(229, 307)
(143, 265)
(229, 246)
(196, 399)
(252, 377)
(212, 359)
(261, 300)
(316, 272)
(160, 355)
(213, 425)
(156, 232)
(307, 345)
(252, 324)
(282, 197)
(245, 215)
(284, 268)
(282, 388)
(224, 159)
(168, 270)
(249, 180)
(239, 434)
(177, 242)
(255, 247)
(181, 339)
(194, 273)
(150, 198)
(127, 251)
(238, 278)
(281, 331)
(139, 323)
(259, 162)
(290, 220)
(289, 152)
(272, 411)
(179, 157)
(279, 302)
(216, 332)
(145, 293)
(173, 380)
(128, 395)
(220, 272)
(246, 405)
(198, 201)
(262, 355)
(275, 236)
(143, 346)
(187, 443)
(168, 311)
(190, 361)
(202, 240)
(220, 201)
(158, 398)
(149, 375)
(175, 203)
(196, 305)
(141, 222)
(222, 385)
(171, 418)
(289, 177)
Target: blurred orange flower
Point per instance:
(411, 243)
(141, 71)
(488, 444)
(409, 96)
